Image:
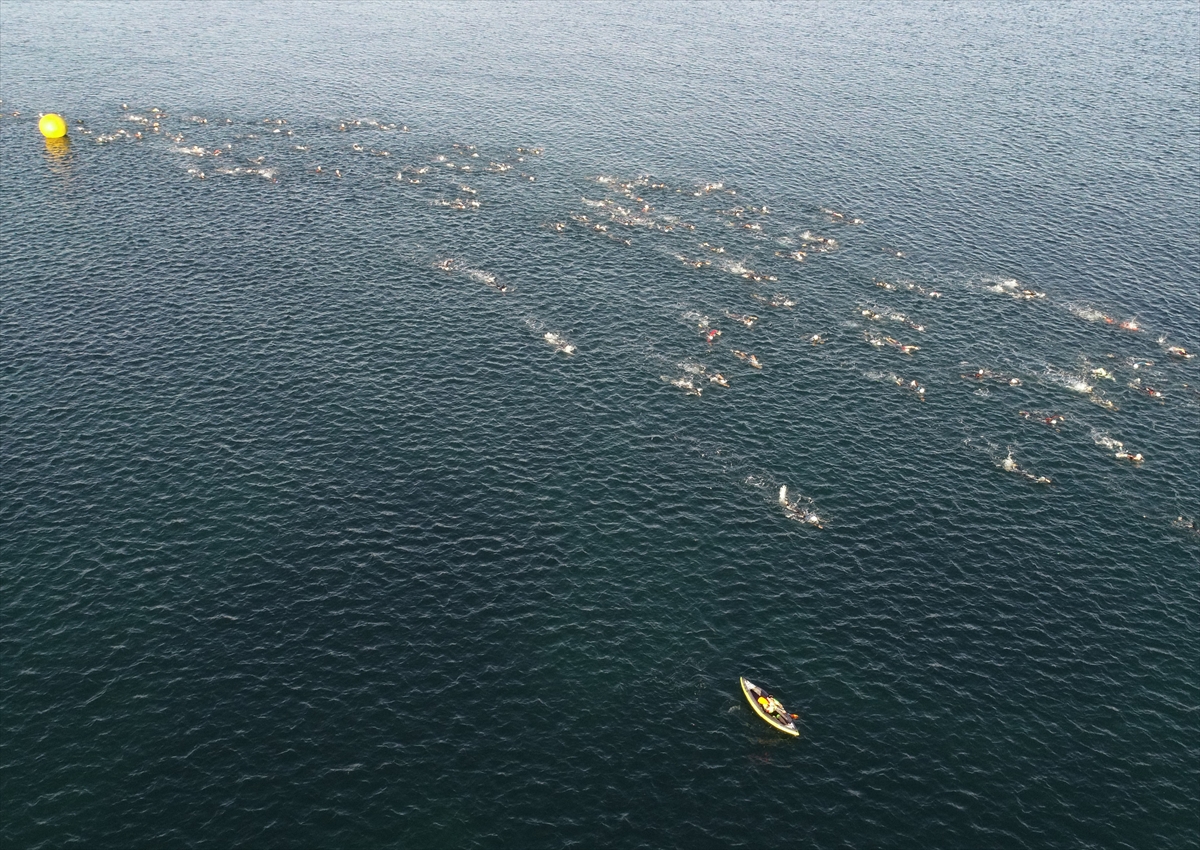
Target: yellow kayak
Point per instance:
(769, 708)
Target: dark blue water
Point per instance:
(311, 538)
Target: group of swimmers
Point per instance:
(778, 301)
(1054, 420)
(874, 316)
(879, 342)
(908, 286)
(749, 358)
(686, 383)
(450, 265)
(153, 123)
(814, 243)
(1013, 289)
(743, 318)
(984, 374)
(711, 335)
(1186, 524)
(1136, 384)
(910, 385)
(840, 217)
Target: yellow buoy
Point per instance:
(53, 126)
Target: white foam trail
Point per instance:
(480, 276)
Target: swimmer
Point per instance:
(1179, 352)
(1153, 393)
(806, 514)
(719, 380)
(559, 344)
(1130, 325)
(883, 284)
(1132, 458)
(908, 349)
(712, 335)
(740, 355)
(816, 339)
(686, 385)
(753, 361)
(1103, 373)
(1010, 465)
(822, 243)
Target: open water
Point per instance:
(311, 537)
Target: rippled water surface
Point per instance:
(367, 484)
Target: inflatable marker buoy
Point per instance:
(52, 126)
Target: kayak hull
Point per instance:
(782, 723)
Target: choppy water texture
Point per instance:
(367, 484)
